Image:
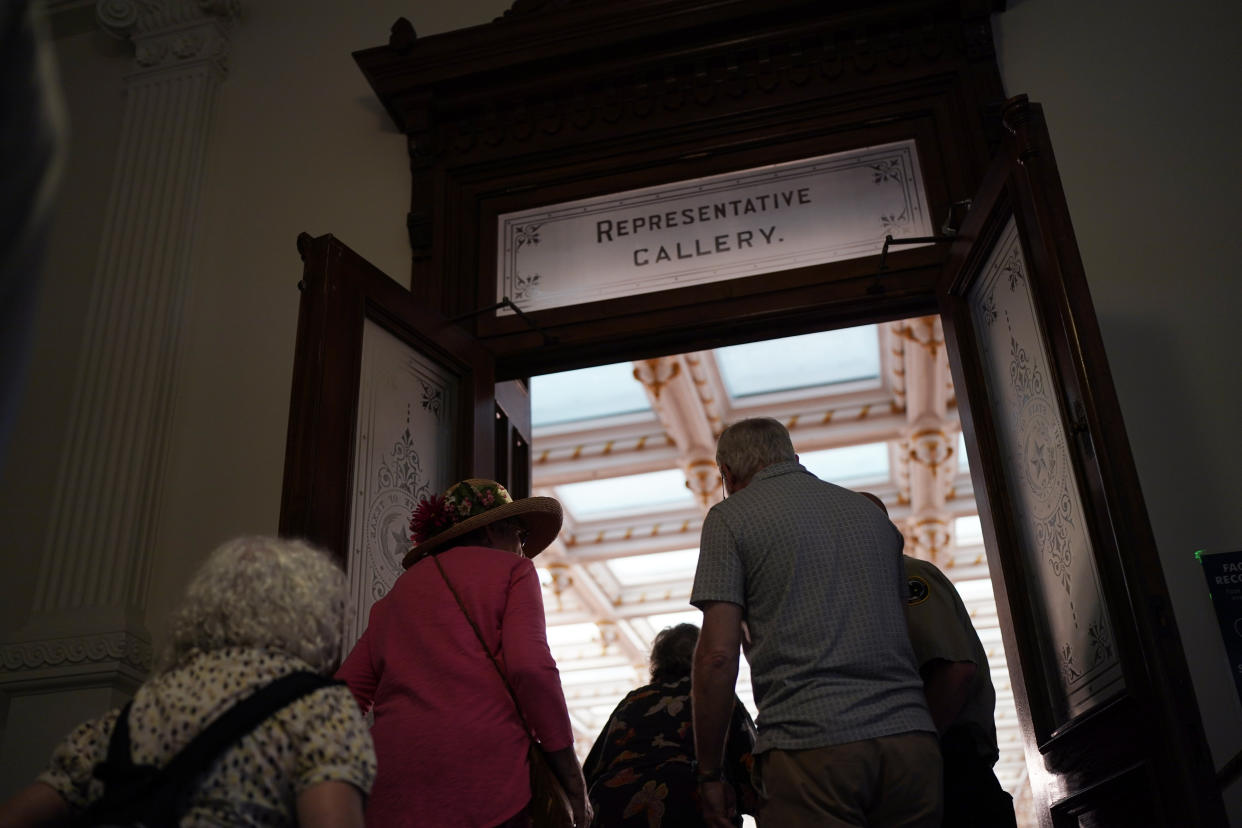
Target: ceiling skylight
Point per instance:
(800, 361)
(571, 678)
(975, 589)
(653, 491)
(586, 394)
(851, 464)
(660, 566)
(567, 634)
(672, 619)
(968, 531)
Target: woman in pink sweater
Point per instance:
(451, 747)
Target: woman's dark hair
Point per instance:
(672, 653)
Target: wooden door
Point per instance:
(1097, 666)
(390, 402)
(513, 436)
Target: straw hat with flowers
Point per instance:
(473, 504)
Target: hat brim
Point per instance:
(539, 516)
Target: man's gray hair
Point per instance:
(749, 445)
(263, 592)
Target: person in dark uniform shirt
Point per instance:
(958, 686)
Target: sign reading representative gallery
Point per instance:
(761, 220)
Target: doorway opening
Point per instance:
(628, 448)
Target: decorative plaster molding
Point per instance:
(612, 105)
(115, 446)
(95, 649)
(170, 32)
(207, 41)
(120, 18)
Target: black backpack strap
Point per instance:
(118, 745)
(159, 796)
(118, 767)
(239, 720)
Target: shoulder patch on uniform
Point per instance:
(918, 590)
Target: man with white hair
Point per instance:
(814, 571)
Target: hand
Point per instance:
(584, 814)
(718, 803)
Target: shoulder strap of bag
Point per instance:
(240, 719)
(118, 768)
(479, 635)
(166, 789)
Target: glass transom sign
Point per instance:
(761, 220)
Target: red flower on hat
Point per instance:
(431, 517)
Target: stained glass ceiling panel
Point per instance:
(585, 394)
(633, 493)
(803, 361)
(849, 464)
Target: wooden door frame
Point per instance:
(1129, 561)
(560, 100)
(341, 292)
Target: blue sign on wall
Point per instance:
(1224, 577)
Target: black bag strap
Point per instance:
(483, 643)
(118, 745)
(175, 780)
(240, 719)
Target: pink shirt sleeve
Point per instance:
(528, 660)
(359, 670)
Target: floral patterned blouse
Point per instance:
(317, 738)
(638, 772)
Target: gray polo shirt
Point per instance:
(817, 571)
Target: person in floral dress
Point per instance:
(639, 771)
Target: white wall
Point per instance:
(1141, 100)
(301, 143)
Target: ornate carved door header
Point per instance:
(557, 101)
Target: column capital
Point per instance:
(171, 32)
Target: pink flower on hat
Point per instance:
(432, 516)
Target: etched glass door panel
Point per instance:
(1098, 673)
(778, 217)
(390, 401)
(403, 450)
(1056, 547)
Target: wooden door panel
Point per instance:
(513, 437)
(390, 403)
(1099, 676)
(1126, 798)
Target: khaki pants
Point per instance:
(888, 781)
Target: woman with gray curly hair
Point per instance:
(259, 610)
